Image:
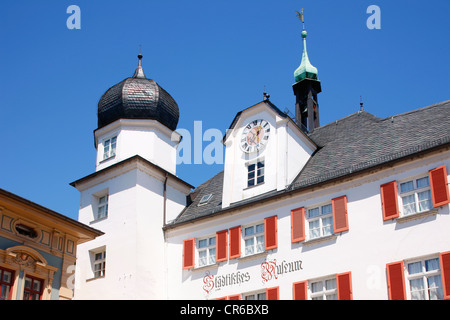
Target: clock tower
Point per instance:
(264, 151)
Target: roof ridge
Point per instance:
(417, 110)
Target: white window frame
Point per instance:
(323, 221)
(411, 190)
(109, 147)
(324, 288)
(98, 261)
(206, 251)
(253, 238)
(422, 275)
(256, 174)
(258, 295)
(101, 210)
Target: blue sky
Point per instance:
(213, 57)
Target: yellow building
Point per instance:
(37, 250)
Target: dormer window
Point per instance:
(255, 173)
(109, 147)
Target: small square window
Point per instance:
(99, 262)
(102, 207)
(415, 196)
(320, 221)
(255, 173)
(109, 148)
(206, 251)
(254, 239)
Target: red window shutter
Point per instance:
(222, 245)
(298, 225)
(439, 186)
(188, 253)
(340, 218)
(235, 242)
(272, 293)
(389, 201)
(344, 286)
(300, 290)
(270, 235)
(396, 281)
(234, 297)
(445, 273)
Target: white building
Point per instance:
(355, 209)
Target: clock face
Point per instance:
(255, 136)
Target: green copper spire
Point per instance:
(306, 69)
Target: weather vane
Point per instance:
(302, 19)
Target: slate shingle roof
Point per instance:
(352, 144)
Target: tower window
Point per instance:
(255, 173)
(102, 208)
(98, 262)
(109, 148)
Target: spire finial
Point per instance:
(306, 69)
(361, 108)
(139, 73)
(301, 17)
(266, 96)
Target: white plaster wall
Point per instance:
(146, 138)
(364, 250)
(134, 240)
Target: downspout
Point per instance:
(165, 199)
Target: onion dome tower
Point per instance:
(137, 117)
(306, 88)
(138, 98)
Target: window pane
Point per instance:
(260, 228)
(406, 186)
(316, 286)
(36, 285)
(251, 167)
(327, 209)
(415, 267)
(202, 243)
(251, 175)
(314, 229)
(409, 204)
(212, 241)
(424, 200)
(417, 289)
(331, 296)
(313, 212)
(327, 228)
(249, 244)
(202, 258)
(434, 288)
(4, 292)
(6, 276)
(260, 180)
(212, 256)
(260, 244)
(330, 284)
(260, 164)
(248, 231)
(262, 296)
(423, 182)
(432, 264)
(27, 283)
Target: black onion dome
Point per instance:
(138, 98)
